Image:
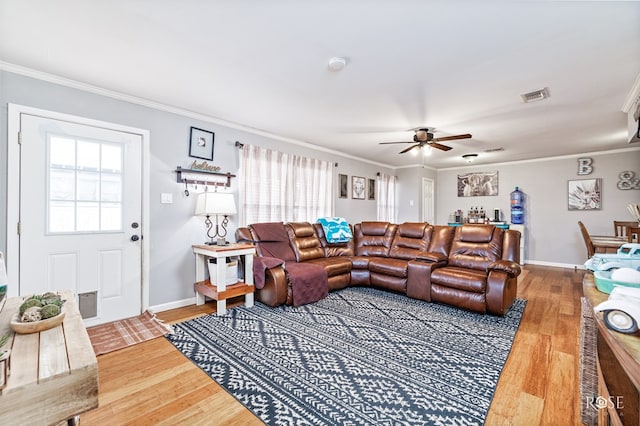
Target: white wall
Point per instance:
(552, 233)
(173, 229)
(410, 192)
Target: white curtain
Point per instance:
(386, 198)
(275, 186)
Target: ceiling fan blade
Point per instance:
(410, 148)
(387, 143)
(439, 146)
(452, 138)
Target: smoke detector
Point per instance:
(536, 95)
(337, 64)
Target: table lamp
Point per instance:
(218, 204)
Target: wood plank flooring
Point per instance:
(153, 383)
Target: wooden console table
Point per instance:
(618, 362)
(54, 373)
(223, 291)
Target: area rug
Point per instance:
(120, 334)
(588, 371)
(359, 357)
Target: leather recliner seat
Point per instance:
(475, 276)
(308, 249)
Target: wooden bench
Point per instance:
(54, 373)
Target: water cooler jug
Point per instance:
(517, 207)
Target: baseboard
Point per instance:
(554, 264)
(173, 305)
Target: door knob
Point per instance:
(135, 238)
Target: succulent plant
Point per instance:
(28, 304)
(54, 300)
(49, 311)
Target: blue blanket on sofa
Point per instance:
(336, 229)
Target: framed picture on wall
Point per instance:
(358, 187)
(585, 194)
(201, 144)
(478, 184)
(372, 189)
(343, 186)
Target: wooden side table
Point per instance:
(54, 373)
(223, 291)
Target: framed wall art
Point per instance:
(343, 186)
(372, 189)
(358, 187)
(585, 194)
(478, 184)
(201, 144)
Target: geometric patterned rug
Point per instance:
(361, 356)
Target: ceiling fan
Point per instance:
(424, 137)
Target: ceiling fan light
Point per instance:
(469, 157)
(415, 151)
(427, 151)
(421, 135)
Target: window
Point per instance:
(275, 186)
(84, 185)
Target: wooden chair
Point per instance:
(620, 227)
(633, 231)
(587, 240)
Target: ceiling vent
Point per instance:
(494, 150)
(536, 95)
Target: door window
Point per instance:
(84, 185)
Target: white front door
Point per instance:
(80, 215)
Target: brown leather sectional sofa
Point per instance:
(474, 267)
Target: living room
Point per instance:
(552, 237)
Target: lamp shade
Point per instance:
(212, 203)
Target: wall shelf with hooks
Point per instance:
(194, 176)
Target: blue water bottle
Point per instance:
(517, 207)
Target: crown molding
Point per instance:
(51, 78)
(537, 160)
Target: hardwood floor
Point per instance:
(153, 383)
